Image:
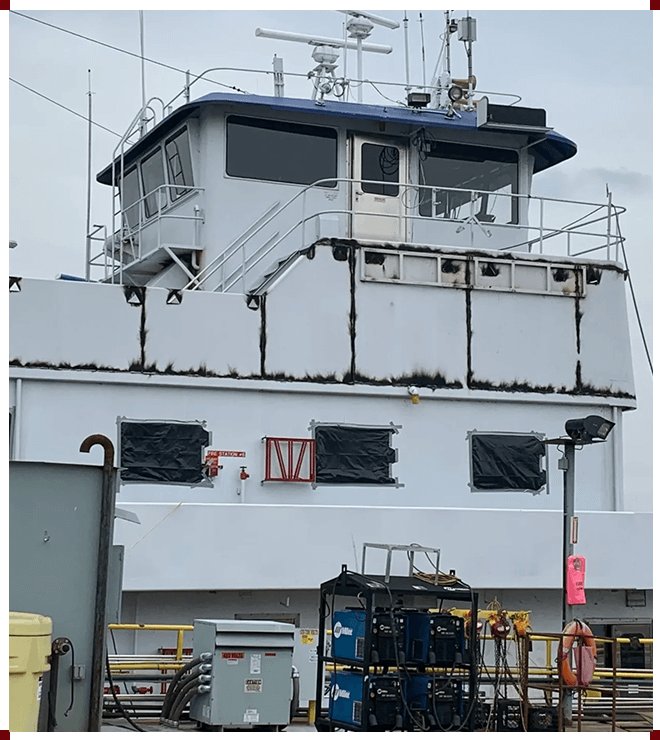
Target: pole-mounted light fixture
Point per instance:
(588, 430)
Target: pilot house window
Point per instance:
(153, 176)
(280, 151)
(179, 166)
(130, 188)
(469, 168)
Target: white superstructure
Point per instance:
(336, 273)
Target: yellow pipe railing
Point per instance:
(178, 628)
(181, 629)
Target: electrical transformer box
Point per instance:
(251, 682)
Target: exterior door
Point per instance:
(379, 172)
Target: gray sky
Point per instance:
(591, 71)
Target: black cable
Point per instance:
(123, 51)
(396, 651)
(174, 683)
(632, 293)
(114, 645)
(183, 699)
(73, 662)
(182, 688)
(120, 706)
(50, 100)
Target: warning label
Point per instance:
(253, 685)
(308, 637)
(233, 656)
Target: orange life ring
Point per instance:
(585, 654)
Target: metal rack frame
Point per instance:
(400, 590)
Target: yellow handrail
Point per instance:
(178, 628)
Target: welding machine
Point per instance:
(434, 639)
(371, 700)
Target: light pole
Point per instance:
(590, 430)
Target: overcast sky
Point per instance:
(591, 71)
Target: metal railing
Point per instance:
(128, 240)
(607, 239)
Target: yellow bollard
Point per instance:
(311, 711)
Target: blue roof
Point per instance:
(551, 150)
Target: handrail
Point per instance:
(185, 92)
(575, 227)
(145, 221)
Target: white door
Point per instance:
(379, 167)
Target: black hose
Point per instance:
(182, 687)
(120, 706)
(183, 700)
(174, 684)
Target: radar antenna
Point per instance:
(326, 50)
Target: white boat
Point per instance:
(316, 323)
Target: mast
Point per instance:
(88, 242)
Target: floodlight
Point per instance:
(455, 93)
(419, 99)
(588, 430)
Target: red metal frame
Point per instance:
(291, 470)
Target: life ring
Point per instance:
(584, 651)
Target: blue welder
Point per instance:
(434, 639)
(432, 702)
(370, 702)
(388, 636)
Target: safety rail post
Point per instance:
(179, 644)
(541, 225)
(615, 660)
(609, 220)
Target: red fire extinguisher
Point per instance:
(575, 569)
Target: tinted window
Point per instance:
(162, 452)
(354, 455)
(153, 176)
(130, 196)
(470, 168)
(380, 163)
(506, 462)
(280, 152)
(179, 165)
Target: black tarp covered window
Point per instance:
(358, 455)
(506, 462)
(162, 452)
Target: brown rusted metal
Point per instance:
(615, 660)
(525, 682)
(105, 543)
(100, 439)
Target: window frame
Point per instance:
(169, 198)
(515, 189)
(284, 122)
(538, 435)
(392, 428)
(205, 482)
(151, 193)
(134, 167)
(382, 188)
(173, 198)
